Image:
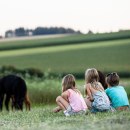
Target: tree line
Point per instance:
(21, 31)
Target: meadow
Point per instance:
(61, 54)
(63, 39)
(43, 94)
(42, 118)
(71, 54)
(104, 55)
(65, 54)
(46, 91)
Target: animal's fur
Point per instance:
(14, 87)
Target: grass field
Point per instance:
(106, 56)
(46, 91)
(72, 54)
(31, 42)
(52, 40)
(42, 118)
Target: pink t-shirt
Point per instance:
(76, 101)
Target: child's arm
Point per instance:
(101, 87)
(65, 95)
(88, 90)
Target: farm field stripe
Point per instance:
(33, 37)
(61, 48)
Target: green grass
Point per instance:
(126, 84)
(31, 42)
(112, 55)
(46, 91)
(105, 56)
(42, 118)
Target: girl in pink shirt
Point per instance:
(71, 100)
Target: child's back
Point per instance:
(95, 92)
(116, 93)
(71, 100)
(118, 96)
(76, 100)
(101, 101)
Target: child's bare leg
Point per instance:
(62, 103)
(88, 103)
(57, 109)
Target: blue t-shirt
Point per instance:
(118, 96)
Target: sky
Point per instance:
(83, 15)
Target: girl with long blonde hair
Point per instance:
(71, 100)
(97, 100)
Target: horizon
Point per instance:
(83, 15)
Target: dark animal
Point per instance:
(102, 79)
(26, 101)
(13, 87)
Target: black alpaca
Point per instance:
(14, 88)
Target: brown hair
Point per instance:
(102, 79)
(68, 82)
(91, 75)
(113, 79)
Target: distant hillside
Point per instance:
(107, 56)
(64, 39)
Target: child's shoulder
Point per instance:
(115, 88)
(96, 85)
(65, 92)
(75, 90)
(88, 85)
(69, 91)
(120, 87)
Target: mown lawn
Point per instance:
(41, 117)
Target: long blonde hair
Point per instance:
(68, 82)
(91, 75)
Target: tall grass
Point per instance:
(126, 84)
(46, 91)
(43, 92)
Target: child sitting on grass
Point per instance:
(97, 100)
(71, 100)
(116, 93)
